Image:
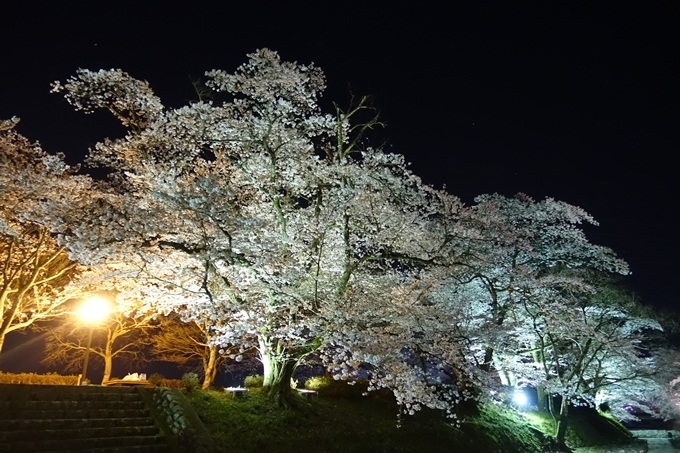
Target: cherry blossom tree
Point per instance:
(525, 242)
(38, 276)
(251, 214)
(268, 221)
(534, 274)
(582, 346)
(469, 314)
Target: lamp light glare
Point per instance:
(94, 310)
(519, 398)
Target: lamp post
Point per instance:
(92, 311)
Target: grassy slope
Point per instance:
(358, 424)
(594, 433)
(589, 431)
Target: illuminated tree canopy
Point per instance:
(270, 223)
(37, 275)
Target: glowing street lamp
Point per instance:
(92, 311)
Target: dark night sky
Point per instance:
(574, 100)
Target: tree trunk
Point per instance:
(2, 341)
(488, 359)
(210, 368)
(279, 365)
(562, 424)
(542, 399)
(108, 364)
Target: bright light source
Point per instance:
(94, 309)
(519, 398)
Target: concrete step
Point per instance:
(658, 440)
(58, 405)
(652, 433)
(73, 414)
(87, 419)
(38, 392)
(22, 392)
(88, 445)
(82, 444)
(77, 433)
(658, 445)
(60, 423)
(132, 449)
(70, 396)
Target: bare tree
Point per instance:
(188, 345)
(122, 336)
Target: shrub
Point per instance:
(190, 381)
(317, 382)
(330, 387)
(255, 381)
(172, 383)
(37, 379)
(156, 379)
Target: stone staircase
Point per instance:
(658, 440)
(92, 419)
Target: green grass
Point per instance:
(588, 428)
(589, 431)
(541, 421)
(345, 424)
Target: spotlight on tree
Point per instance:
(519, 398)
